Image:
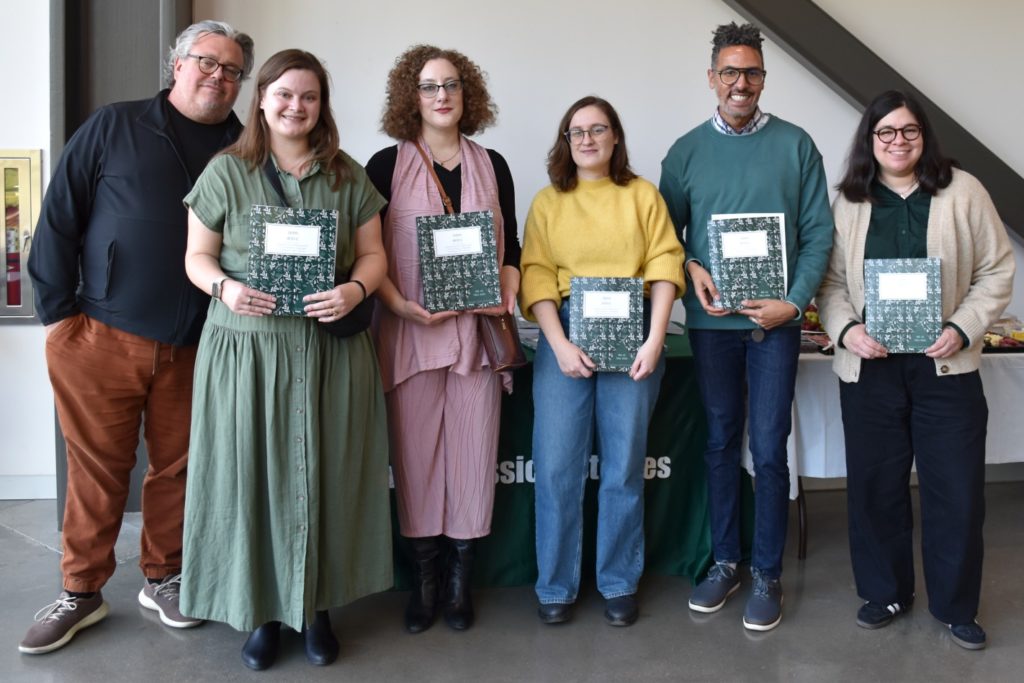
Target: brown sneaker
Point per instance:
(57, 623)
(163, 598)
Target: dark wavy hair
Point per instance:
(934, 171)
(561, 167)
(253, 145)
(728, 35)
(401, 117)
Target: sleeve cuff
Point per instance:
(842, 335)
(963, 337)
(799, 311)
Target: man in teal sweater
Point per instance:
(743, 160)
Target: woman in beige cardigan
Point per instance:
(900, 198)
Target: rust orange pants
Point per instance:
(105, 383)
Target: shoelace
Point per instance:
(761, 585)
(719, 573)
(170, 587)
(57, 610)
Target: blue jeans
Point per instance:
(740, 378)
(565, 413)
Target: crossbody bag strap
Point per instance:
(437, 181)
(274, 180)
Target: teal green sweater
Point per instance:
(775, 170)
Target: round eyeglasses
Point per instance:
(575, 135)
(431, 89)
(209, 66)
(730, 75)
(909, 133)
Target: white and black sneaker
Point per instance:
(874, 615)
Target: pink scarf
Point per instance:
(405, 348)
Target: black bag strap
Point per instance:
(275, 182)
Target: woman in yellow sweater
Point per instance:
(596, 219)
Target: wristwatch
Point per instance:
(215, 288)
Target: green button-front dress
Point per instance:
(287, 509)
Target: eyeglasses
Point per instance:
(430, 89)
(209, 66)
(575, 135)
(730, 75)
(909, 133)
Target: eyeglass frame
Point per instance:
(226, 69)
(744, 72)
(901, 131)
(451, 87)
(584, 132)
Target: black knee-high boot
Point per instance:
(458, 603)
(260, 650)
(422, 608)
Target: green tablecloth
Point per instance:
(678, 536)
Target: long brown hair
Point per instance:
(253, 145)
(561, 167)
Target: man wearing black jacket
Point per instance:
(123, 321)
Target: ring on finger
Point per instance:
(250, 300)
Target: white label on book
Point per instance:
(458, 241)
(601, 304)
(903, 286)
(745, 244)
(292, 240)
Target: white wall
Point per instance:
(648, 58)
(27, 465)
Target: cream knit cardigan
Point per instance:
(965, 232)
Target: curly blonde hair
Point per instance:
(401, 118)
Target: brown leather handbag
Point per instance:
(498, 333)
(500, 336)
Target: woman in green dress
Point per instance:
(287, 508)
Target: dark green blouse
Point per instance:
(898, 227)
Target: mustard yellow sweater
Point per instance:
(598, 229)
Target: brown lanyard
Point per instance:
(449, 208)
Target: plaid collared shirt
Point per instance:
(756, 123)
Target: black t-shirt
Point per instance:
(381, 168)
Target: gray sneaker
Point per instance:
(57, 623)
(163, 598)
(764, 607)
(711, 593)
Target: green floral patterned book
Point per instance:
(747, 257)
(606, 319)
(458, 261)
(291, 253)
(903, 302)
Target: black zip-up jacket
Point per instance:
(112, 232)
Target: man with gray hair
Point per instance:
(123, 321)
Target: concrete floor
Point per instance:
(817, 640)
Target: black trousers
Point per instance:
(898, 410)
